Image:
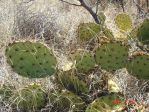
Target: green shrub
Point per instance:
(123, 22)
(105, 104)
(87, 31)
(73, 84)
(32, 60)
(143, 32)
(138, 66)
(65, 101)
(111, 56)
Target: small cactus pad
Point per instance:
(30, 98)
(29, 59)
(84, 62)
(105, 104)
(139, 67)
(72, 83)
(111, 56)
(123, 22)
(143, 32)
(66, 101)
(87, 31)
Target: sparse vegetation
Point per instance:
(67, 56)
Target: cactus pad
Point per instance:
(29, 59)
(138, 66)
(72, 83)
(123, 22)
(66, 101)
(30, 98)
(143, 32)
(111, 56)
(87, 31)
(105, 104)
(84, 62)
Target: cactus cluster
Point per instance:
(123, 22)
(30, 59)
(138, 66)
(84, 62)
(87, 31)
(105, 104)
(112, 56)
(66, 101)
(143, 32)
(30, 98)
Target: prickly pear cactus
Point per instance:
(30, 59)
(143, 32)
(87, 31)
(138, 66)
(84, 62)
(123, 22)
(72, 83)
(65, 102)
(31, 98)
(112, 56)
(105, 104)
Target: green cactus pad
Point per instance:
(139, 67)
(30, 98)
(111, 56)
(66, 101)
(123, 22)
(84, 62)
(143, 32)
(87, 31)
(105, 104)
(29, 59)
(72, 83)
